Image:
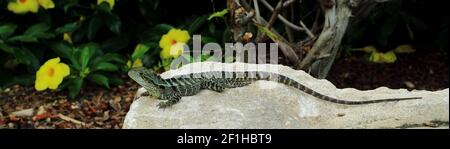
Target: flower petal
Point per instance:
(182, 36)
(165, 41)
(62, 70)
(165, 53)
(46, 4)
(52, 62)
(40, 85)
(24, 7)
(177, 49)
(54, 82)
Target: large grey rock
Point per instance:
(266, 104)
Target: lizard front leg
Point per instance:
(144, 94)
(172, 98)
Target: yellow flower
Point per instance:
(24, 6)
(110, 2)
(66, 37)
(46, 4)
(380, 57)
(172, 43)
(51, 74)
(173, 51)
(137, 63)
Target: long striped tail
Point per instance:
(288, 81)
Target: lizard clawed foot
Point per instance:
(165, 104)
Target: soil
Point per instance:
(97, 107)
(420, 71)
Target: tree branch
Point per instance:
(285, 21)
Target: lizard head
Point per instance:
(147, 79)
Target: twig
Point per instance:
(284, 47)
(292, 25)
(287, 3)
(315, 27)
(272, 20)
(288, 29)
(69, 119)
(284, 20)
(255, 4)
(310, 34)
(274, 14)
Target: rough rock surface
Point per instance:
(266, 104)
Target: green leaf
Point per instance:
(139, 51)
(113, 57)
(268, 32)
(386, 30)
(108, 57)
(23, 38)
(219, 14)
(115, 80)
(154, 34)
(113, 23)
(70, 27)
(7, 80)
(94, 26)
(62, 49)
(150, 11)
(197, 23)
(75, 87)
(115, 43)
(212, 28)
(6, 30)
(99, 79)
(34, 32)
(104, 7)
(163, 28)
(5, 47)
(106, 67)
(226, 36)
(415, 21)
(206, 39)
(70, 3)
(26, 57)
(111, 20)
(85, 56)
(37, 30)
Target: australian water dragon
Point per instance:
(174, 88)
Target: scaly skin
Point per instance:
(173, 89)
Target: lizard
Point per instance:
(173, 89)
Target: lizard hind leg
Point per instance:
(215, 85)
(239, 84)
(217, 88)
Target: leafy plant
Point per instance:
(95, 39)
(383, 21)
(89, 62)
